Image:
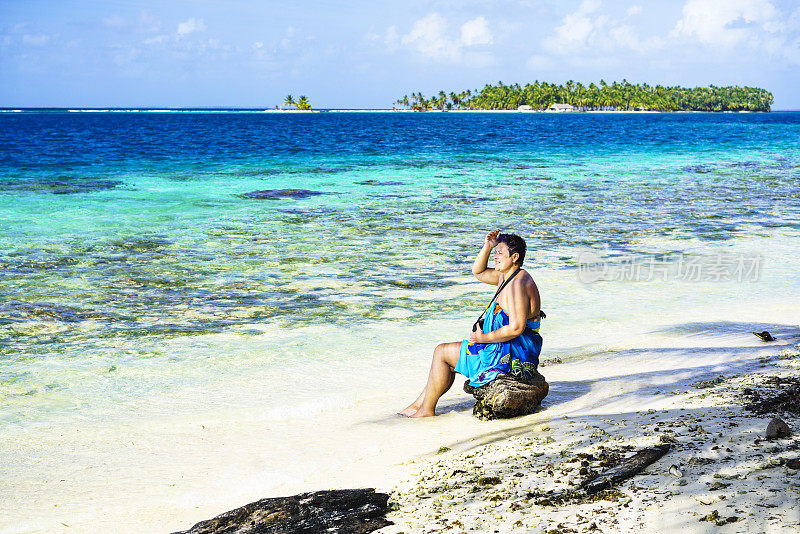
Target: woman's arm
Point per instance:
(519, 304)
(480, 265)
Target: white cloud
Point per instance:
(260, 52)
(576, 30)
(719, 22)
(145, 22)
(125, 58)
(429, 38)
(371, 35)
(392, 38)
(587, 33)
(624, 36)
(634, 10)
(707, 32)
(148, 22)
(39, 39)
(588, 6)
(289, 40)
(476, 32)
(190, 26)
(738, 29)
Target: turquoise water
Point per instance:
(138, 280)
(121, 231)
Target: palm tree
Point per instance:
(455, 100)
(619, 95)
(289, 101)
(302, 102)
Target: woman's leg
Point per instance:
(449, 347)
(415, 406)
(440, 379)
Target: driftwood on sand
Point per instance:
(625, 469)
(506, 397)
(354, 511)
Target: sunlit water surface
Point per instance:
(170, 345)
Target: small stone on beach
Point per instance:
(777, 428)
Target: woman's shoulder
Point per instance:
(522, 278)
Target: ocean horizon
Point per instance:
(212, 109)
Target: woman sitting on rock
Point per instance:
(508, 342)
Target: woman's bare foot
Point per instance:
(422, 413)
(411, 410)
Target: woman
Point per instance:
(509, 342)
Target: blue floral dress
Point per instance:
(518, 357)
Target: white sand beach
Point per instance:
(720, 470)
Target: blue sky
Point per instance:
(180, 53)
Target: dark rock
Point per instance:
(667, 438)
(794, 463)
(765, 336)
(464, 199)
(703, 384)
(377, 182)
(715, 518)
(59, 185)
(625, 469)
(696, 168)
(787, 398)
(22, 311)
(141, 244)
(276, 194)
(506, 397)
(777, 428)
(351, 511)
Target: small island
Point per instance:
(572, 96)
(302, 103)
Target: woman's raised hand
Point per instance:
(491, 238)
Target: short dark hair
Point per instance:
(515, 244)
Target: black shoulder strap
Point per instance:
(506, 281)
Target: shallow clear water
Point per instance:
(138, 283)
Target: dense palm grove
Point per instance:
(615, 96)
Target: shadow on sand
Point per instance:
(565, 397)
